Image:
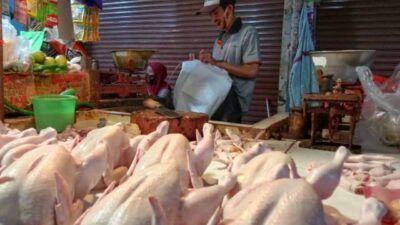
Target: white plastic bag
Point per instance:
(23, 61)
(381, 108)
(10, 41)
(16, 55)
(201, 87)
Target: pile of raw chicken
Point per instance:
(156, 179)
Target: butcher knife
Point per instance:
(160, 109)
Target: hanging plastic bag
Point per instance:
(36, 39)
(10, 53)
(201, 87)
(16, 50)
(381, 108)
(24, 61)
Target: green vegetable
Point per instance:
(17, 109)
(68, 91)
(52, 67)
(59, 70)
(38, 67)
(72, 91)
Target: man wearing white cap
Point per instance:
(236, 50)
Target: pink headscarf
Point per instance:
(160, 73)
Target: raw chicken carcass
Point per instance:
(285, 201)
(98, 154)
(280, 202)
(364, 170)
(176, 148)
(16, 153)
(38, 188)
(256, 170)
(6, 138)
(129, 203)
(245, 157)
(148, 140)
(372, 212)
(44, 135)
(204, 150)
(260, 164)
(128, 155)
(325, 178)
(169, 148)
(139, 145)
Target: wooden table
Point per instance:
(336, 106)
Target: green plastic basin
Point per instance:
(57, 111)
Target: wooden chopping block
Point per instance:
(148, 120)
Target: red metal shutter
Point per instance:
(362, 24)
(171, 28)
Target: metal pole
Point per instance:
(1, 67)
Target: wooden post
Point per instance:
(1, 67)
(94, 81)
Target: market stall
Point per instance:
(83, 145)
(222, 155)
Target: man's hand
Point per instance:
(206, 57)
(248, 70)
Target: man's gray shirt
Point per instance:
(239, 47)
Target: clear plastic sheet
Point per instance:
(381, 108)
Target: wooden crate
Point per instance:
(20, 87)
(264, 127)
(56, 83)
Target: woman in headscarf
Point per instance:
(156, 85)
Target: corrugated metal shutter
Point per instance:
(171, 28)
(362, 24)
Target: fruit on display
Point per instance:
(50, 61)
(47, 65)
(38, 57)
(61, 60)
